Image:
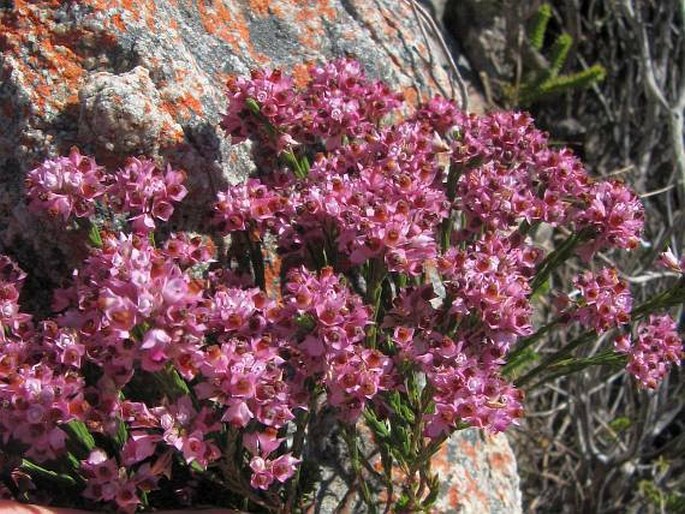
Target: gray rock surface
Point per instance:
(118, 77)
(478, 476)
(480, 27)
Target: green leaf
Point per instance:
(304, 163)
(581, 79)
(407, 414)
(143, 498)
(196, 466)
(522, 359)
(122, 434)
(539, 26)
(294, 163)
(73, 462)
(253, 106)
(80, 437)
(379, 427)
(620, 424)
(139, 331)
(574, 364)
(543, 290)
(171, 382)
(434, 488)
(559, 53)
(305, 323)
(402, 502)
(37, 471)
(94, 237)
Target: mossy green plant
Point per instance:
(545, 80)
(539, 26)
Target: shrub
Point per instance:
(405, 301)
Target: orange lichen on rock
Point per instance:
(300, 74)
(136, 10)
(188, 104)
(48, 68)
(264, 8)
(454, 497)
(310, 20)
(171, 133)
(499, 460)
(321, 9)
(228, 26)
(411, 96)
(118, 21)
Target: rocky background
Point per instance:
(119, 78)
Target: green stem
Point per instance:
(669, 298)
(304, 419)
(576, 365)
(294, 163)
(37, 471)
(524, 344)
(374, 289)
(351, 438)
(557, 356)
(554, 259)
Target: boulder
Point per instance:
(119, 78)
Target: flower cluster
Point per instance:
(251, 205)
(615, 215)
(72, 186)
(463, 375)
(13, 322)
(490, 280)
(669, 261)
(510, 174)
(406, 280)
(335, 321)
(184, 429)
(604, 300)
(339, 102)
(66, 186)
(107, 481)
(146, 192)
(657, 348)
(133, 305)
(264, 107)
(38, 398)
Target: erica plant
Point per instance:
(403, 305)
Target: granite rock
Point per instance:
(478, 475)
(481, 29)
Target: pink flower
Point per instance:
(194, 448)
(605, 300)
(139, 447)
(669, 261)
(262, 478)
(155, 342)
(146, 192)
(284, 467)
(614, 214)
(66, 186)
(263, 442)
(238, 414)
(657, 348)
